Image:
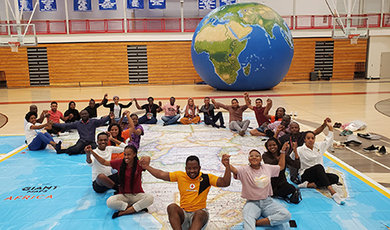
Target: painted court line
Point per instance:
(362, 155)
(359, 175)
(13, 152)
(227, 96)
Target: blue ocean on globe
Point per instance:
(240, 47)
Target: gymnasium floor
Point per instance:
(74, 205)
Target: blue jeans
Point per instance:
(276, 213)
(40, 141)
(169, 120)
(145, 120)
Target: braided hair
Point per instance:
(122, 169)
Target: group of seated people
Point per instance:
(263, 178)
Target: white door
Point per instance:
(385, 65)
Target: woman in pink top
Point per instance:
(172, 112)
(256, 188)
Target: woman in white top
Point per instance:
(37, 140)
(312, 171)
(116, 107)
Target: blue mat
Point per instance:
(43, 190)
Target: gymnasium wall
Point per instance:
(82, 64)
(345, 58)
(190, 7)
(378, 45)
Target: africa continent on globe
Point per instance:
(245, 46)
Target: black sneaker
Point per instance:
(382, 150)
(292, 223)
(144, 210)
(222, 126)
(363, 135)
(371, 148)
(58, 147)
(115, 215)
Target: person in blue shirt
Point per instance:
(86, 128)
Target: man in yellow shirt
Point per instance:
(193, 187)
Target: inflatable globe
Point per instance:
(244, 46)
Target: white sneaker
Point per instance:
(303, 185)
(336, 197)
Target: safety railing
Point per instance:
(167, 25)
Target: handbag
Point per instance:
(296, 197)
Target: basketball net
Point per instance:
(14, 46)
(353, 38)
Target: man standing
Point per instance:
(209, 117)
(86, 128)
(193, 187)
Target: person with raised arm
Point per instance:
(54, 115)
(208, 114)
(298, 136)
(72, 110)
(235, 116)
(193, 187)
(116, 107)
(151, 111)
(257, 190)
(171, 112)
(102, 177)
(261, 113)
(86, 128)
(131, 197)
(34, 109)
(135, 131)
(93, 106)
(35, 138)
(115, 135)
(312, 169)
(191, 115)
(280, 186)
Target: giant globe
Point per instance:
(244, 46)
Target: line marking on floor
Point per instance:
(359, 175)
(13, 152)
(362, 155)
(222, 96)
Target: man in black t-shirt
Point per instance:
(92, 106)
(151, 111)
(209, 117)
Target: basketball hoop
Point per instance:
(14, 46)
(353, 38)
